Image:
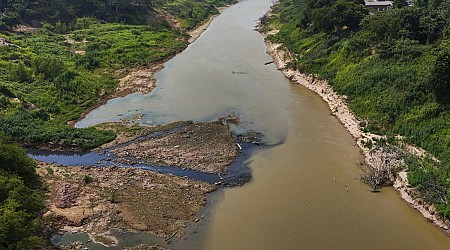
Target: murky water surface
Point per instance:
(305, 193)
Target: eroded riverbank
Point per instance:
(373, 156)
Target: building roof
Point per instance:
(378, 3)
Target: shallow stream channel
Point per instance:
(305, 191)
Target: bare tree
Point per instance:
(383, 163)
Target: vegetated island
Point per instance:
(386, 76)
(60, 59)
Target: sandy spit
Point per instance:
(195, 33)
(339, 108)
(140, 80)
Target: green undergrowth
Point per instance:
(393, 66)
(61, 14)
(21, 199)
(193, 13)
(48, 79)
(51, 76)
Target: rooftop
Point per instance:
(378, 3)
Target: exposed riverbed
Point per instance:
(305, 192)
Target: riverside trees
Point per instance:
(21, 200)
(393, 67)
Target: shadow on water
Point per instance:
(238, 173)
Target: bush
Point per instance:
(87, 179)
(21, 201)
(47, 65)
(11, 19)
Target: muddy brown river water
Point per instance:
(305, 192)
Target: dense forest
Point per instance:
(189, 12)
(393, 66)
(57, 59)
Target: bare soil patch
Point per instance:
(94, 200)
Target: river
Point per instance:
(305, 192)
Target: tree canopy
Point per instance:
(21, 200)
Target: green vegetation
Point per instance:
(50, 76)
(87, 179)
(61, 14)
(192, 13)
(56, 77)
(394, 67)
(21, 199)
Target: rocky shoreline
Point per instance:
(205, 147)
(94, 199)
(340, 110)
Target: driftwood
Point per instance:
(170, 237)
(384, 162)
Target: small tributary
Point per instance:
(305, 191)
(238, 173)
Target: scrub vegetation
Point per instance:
(393, 66)
(50, 75)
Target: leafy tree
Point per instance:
(343, 13)
(432, 25)
(47, 65)
(400, 3)
(19, 73)
(324, 19)
(13, 160)
(21, 201)
(350, 13)
(10, 18)
(440, 79)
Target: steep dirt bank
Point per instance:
(373, 157)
